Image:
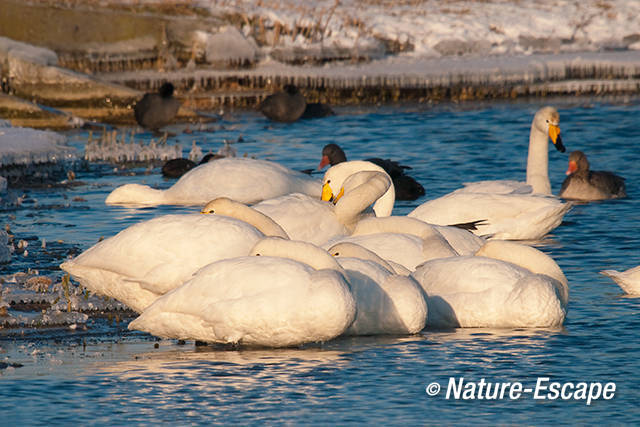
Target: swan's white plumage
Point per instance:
(387, 303)
(513, 210)
(337, 176)
(303, 217)
(242, 179)
(528, 257)
(628, 280)
(267, 300)
(543, 126)
(508, 216)
(316, 221)
(152, 257)
(478, 291)
(405, 241)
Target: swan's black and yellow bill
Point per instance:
(327, 194)
(554, 134)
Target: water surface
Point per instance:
(106, 374)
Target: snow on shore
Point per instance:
(435, 28)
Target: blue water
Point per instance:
(108, 375)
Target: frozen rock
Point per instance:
(228, 47)
(11, 50)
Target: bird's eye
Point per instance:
(257, 254)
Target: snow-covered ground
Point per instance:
(435, 28)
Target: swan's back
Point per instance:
(386, 303)
(155, 256)
(241, 179)
(474, 291)
(265, 301)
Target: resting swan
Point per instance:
(628, 280)
(242, 179)
(150, 258)
(513, 210)
(401, 240)
(505, 285)
(291, 294)
(387, 303)
(316, 221)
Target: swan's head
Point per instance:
(337, 175)
(353, 250)
(577, 162)
(220, 206)
(547, 120)
(304, 252)
(327, 193)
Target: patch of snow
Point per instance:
(433, 28)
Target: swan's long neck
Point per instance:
(433, 242)
(396, 224)
(348, 249)
(538, 162)
(304, 252)
(339, 173)
(361, 190)
(262, 222)
(228, 207)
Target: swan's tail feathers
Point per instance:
(620, 280)
(472, 225)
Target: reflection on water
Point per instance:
(120, 376)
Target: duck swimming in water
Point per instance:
(284, 106)
(157, 110)
(584, 184)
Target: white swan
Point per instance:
(402, 240)
(293, 293)
(628, 280)
(512, 210)
(341, 179)
(335, 177)
(242, 179)
(544, 127)
(148, 259)
(495, 289)
(387, 303)
(316, 221)
(508, 216)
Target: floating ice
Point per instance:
(109, 147)
(32, 300)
